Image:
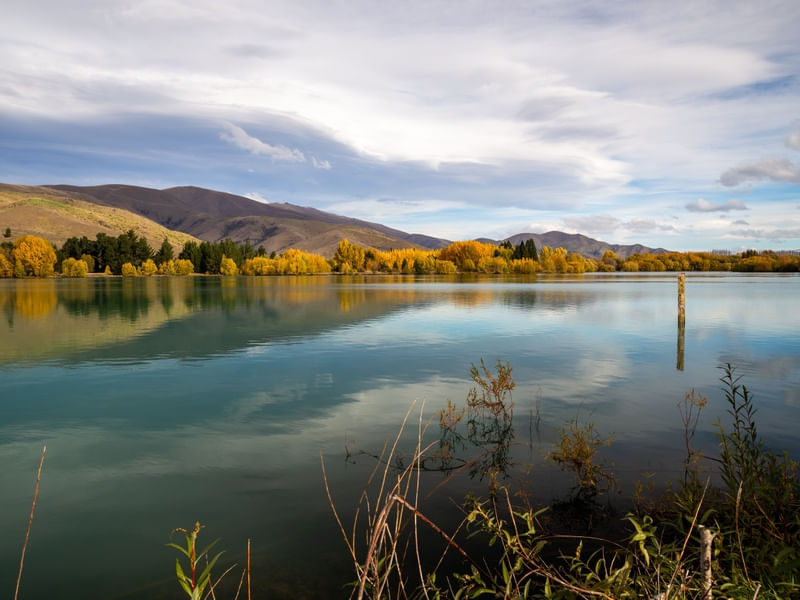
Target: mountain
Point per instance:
(57, 212)
(213, 216)
(586, 246)
(56, 215)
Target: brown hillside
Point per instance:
(56, 215)
(213, 216)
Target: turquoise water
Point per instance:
(165, 401)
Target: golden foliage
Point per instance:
(36, 302)
(227, 266)
(6, 269)
(348, 257)
(183, 266)
(128, 270)
(291, 262)
(467, 255)
(33, 256)
(167, 267)
(525, 266)
(148, 267)
(71, 267)
(89, 260)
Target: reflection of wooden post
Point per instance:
(681, 319)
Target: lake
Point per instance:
(163, 401)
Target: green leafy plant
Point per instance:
(762, 497)
(576, 451)
(193, 583)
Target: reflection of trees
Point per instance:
(134, 301)
(36, 301)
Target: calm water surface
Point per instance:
(165, 401)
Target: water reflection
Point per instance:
(166, 400)
(84, 319)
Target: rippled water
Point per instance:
(165, 401)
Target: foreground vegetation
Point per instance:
(738, 537)
(729, 528)
(131, 256)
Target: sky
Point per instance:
(671, 124)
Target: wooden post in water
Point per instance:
(681, 319)
(705, 561)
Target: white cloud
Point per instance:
(320, 164)
(240, 138)
(605, 224)
(542, 103)
(775, 169)
(257, 197)
(702, 205)
(593, 223)
(773, 235)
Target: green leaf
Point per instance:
(180, 548)
(182, 579)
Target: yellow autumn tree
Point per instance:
(33, 256)
(128, 270)
(227, 266)
(71, 267)
(149, 267)
(348, 257)
(167, 267)
(183, 266)
(89, 260)
(467, 255)
(6, 269)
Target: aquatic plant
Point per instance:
(740, 539)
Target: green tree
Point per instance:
(7, 232)
(165, 253)
(526, 249)
(191, 252)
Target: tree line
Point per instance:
(131, 255)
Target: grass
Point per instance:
(739, 539)
(56, 217)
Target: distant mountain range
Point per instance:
(60, 211)
(575, 242)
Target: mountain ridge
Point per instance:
(213, 215)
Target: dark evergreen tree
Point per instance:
(164, 253)
(191, 251)
(526, 249)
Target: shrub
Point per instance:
(149, 267)
(74, 268)
(183, 266)
(128, 270)
(227, 266)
